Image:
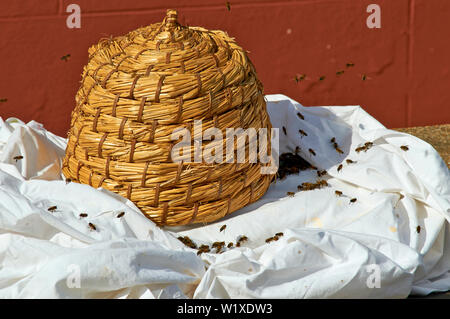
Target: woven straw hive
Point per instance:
(136, 90)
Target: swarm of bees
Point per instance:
(364, 148)
(291, 163)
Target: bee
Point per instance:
(340, 72)
(364, 77)
(302, 77)
(228, 6)
(3, 100)
(83, 215)
(350, 65)
(290, 194)
(275, 237)
(303, 133)
(321, 183)
(230, 245)
(52, 208)
(68, 180)
(92, 226)
(65, 57)
(222, 228)
(243, 239)
(349, 161)
(359, 149)
(284, 131)
(203, 249)
(238, 244)
(117, 186)
(338, 150)
(339, 167)
(299, 187)
(333, 140)
(312, 151)
(18, 157)
(268, 240)
(312, 166)
(322, 78)
(321, 173)
(279, 234)
(353, 200)
(120, 214)
(297, 150)
(368, 144)
(338, 193)
(187, 241)
(404, 148)
(300, 115)
(418, 228)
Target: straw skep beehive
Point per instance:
(136, 90)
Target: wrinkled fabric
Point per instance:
(330, 247)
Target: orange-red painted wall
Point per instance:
(406, 62)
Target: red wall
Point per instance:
(406, 61)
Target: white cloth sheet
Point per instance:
(331, 248)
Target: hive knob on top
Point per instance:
(137, 91)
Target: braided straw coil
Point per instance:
(136, 90)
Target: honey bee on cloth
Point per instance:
(65, 57)
(18, 157)
(404, 148)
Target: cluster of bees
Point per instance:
(91, 226)
(310, 186)
(219, 246)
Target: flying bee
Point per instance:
(353, 200)
(338, 193)
(312, 151)
(52, 208)
(404, 148)
(418, 229)
(18, 157)
(65, 57)
(284, 131)
(349, 161)
(120, 214)
(222, 228)
(303, 133)
(92, 226)
(83, 215)
(339, 167)
(300, 115)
